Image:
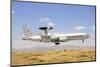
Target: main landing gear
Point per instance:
(57, 41)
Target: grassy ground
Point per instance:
(24, 58)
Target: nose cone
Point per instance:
(87, 36)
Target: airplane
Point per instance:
(52, 37)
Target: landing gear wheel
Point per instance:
(83, 41)
(57, 43)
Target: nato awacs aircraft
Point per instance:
(52, 37)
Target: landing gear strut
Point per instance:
(83, 40)
(57, 41)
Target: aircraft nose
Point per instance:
(87, 36)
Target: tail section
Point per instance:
(26, 31)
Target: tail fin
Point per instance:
(26, 31)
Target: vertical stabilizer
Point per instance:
(26, 31)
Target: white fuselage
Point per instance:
(61, 37)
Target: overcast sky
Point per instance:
(66, 18)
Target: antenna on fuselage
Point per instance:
(46, 28)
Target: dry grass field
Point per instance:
(24, 58)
